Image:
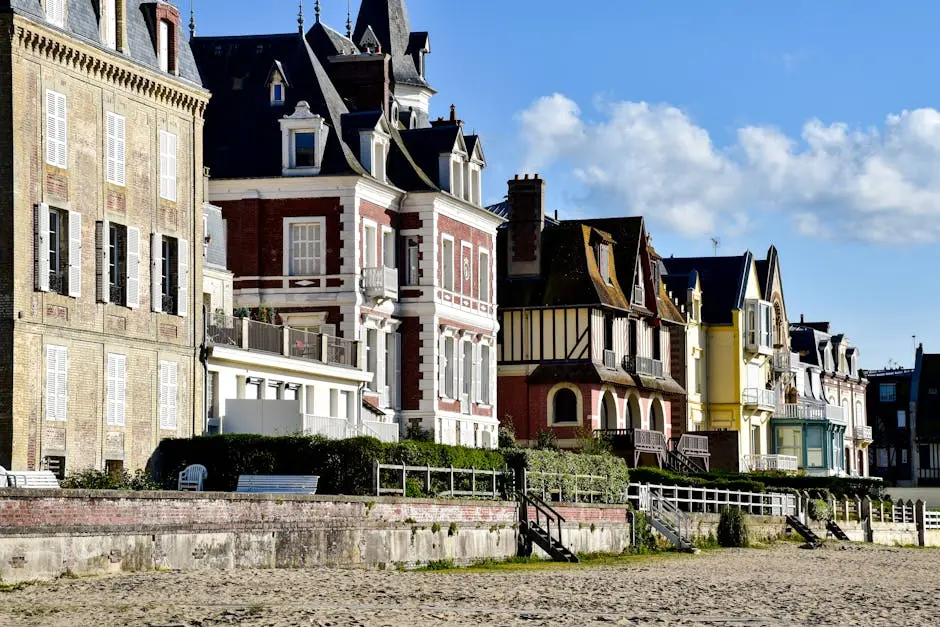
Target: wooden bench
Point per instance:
(277, 484)
(39, 479)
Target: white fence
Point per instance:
(933, 519)
(566, 487)
(711, 500)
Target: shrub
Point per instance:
(507, 433)
(644, 541)
(92, 479)
(732, 528)
(546, 440)
(561, 468)
(819, 510)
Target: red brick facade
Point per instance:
(477, 239)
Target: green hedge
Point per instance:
(561, 468)
(664, 477)
(344, 466)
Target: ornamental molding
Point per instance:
(72, 55)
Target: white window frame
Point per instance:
(56, 129)
(55, 12)
(447, 270)
(603, 262)
(412, 271)
(163, 50)
(289, 223)
(57, 383)
(486, 373)
(168, 165)
(168, 395)
(274, 99)
(302, 120)
(115, 147)
(116, 390)
(579, 406)
(484, 284)
(370, 244)
(388, 247)
(372, 358)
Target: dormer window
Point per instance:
(277, 94)
(166, 17)
(639, 291)
(109, 23)
(373, 149)
(303, 139)
(55, 12)
(456, 176)
(277, 84)
(164, 41)
(603, 262)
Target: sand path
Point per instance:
(785, 585)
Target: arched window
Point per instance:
(565, 406)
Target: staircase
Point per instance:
(677, 461)
(807, 533)
(671, 523)
(539, 531)
(833, 528)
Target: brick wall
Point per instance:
(463, 233)
(411, 375)
(6, 235)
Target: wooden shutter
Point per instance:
(41, 247)
(102, 259)
(182, 277)
(110, 147)
(110, 392)
(442, 366)
(156, 272)
(51, 370)
(61, 131)
(477, 374)
(52, 133)
(119, 150)
(163, 164)
(171, 394)
(132, 280)
(171, 167)
(117, 389)
(75, 254)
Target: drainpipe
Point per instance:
(358, 422)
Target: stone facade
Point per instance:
(36, 58)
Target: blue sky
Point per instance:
(806, 125)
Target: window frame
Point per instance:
(447, 269)
(370, 244)
(164, 35)
(293, 149)
(115, 148)
(603, 262)
(287, 242)
(579, 406)
(55, 12)
(412, 271)
(168, 397)
(885, 397)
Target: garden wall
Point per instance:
(45, 534)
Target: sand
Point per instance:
(836, 585)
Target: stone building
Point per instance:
(101, 109)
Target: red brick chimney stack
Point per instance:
(526, 221)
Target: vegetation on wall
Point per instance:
(564, 474)
(92, 479)
(732, 528)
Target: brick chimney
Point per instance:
(526, 221)
(362, 80)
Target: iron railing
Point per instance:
(58, 281)
(117, 293)
(759, 397)
(224, 331)
(810, 411)
(304, 345)
(168, 303)
(340, 352)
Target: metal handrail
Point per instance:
(543, 508)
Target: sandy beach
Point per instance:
(835, 585)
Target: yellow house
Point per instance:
(736, 325)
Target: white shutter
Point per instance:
(156, 272)
(75, 254)
(458, 369)
(119, 150)
(52, 132)
(442, 366)
(476, 374)
(110, 22)
(117, 389)
(102, 255)
(61, 131)
(51, 370)
(163, 165)
(110, 392)
(56, 382)
(41, 247)
(162, 400)
(115, 129)
(182, 277)
(171, 393)
(132, 280)
(171, 167)
(110, 147)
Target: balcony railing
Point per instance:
(785, 361)
(759, 397)
(265, 337)
(380, 282)
(117, 294)
(863, 433)
(610, 360)
(811, 411)
(693, 445)
(340, 352)
(787, 463)
(332, 428)
(383, 431)
(305, 345)
(648, 366)
(641, 439)
(224, 331)
(58, 282)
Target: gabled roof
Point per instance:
(389, 20)
(326, 42)
(82, 23)
(723, 280)
(428, 144)
(240, 120)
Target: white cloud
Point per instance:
(879, 185)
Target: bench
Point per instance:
(277, 484)
(39, 479)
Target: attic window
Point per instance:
(373, 149)
(109, 23)
(166, 46)
(55, 12)
(603, 261)
(277, 93)
(303, 139)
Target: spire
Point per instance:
(316, 11)
(348, 21)
(300, 16)
(192, 18)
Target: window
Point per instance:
(388, 248)
(304, 254)
(117, 248)
(277, 94)
(484, 273)
(115, 148)
(447, 367)
(304, 149)
(485, 383)
(164, 51)
(372, 358)
(114, 468)
(697, 375)
(168, 166)
(903, 455)
(57, 379)
(117, 263)
(639, 291)
(168, 394)
(57, 250)
(565, 405)
(456, 177)
(467, 383)
(887, 392)
(369, 253)
(379, 155)
(790, 442)
(447, 264)
(882, 457)
(603, 260)
(55, 12)
(393, 369)
(902, 419)
(56, 129)
(411, 261)
(814, 447)
(758, 329)
(116, 389)
(109, 23)
(170, 275)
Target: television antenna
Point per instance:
(715, 244)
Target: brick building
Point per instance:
(101, 111)
(350, 214)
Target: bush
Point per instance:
(732, 528)
(562, 466)
(819, 510)
(92, 479)
(546, 440)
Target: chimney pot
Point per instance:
(536, 175)
(453, 113)
(517, 177)
(527, 176)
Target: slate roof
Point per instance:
(806, 341)
(82, 23)
(723, 280)
(326, 42)
(389, 21)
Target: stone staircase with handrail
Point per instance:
(540, 531)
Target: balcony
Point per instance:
(610, 360)
(757, 463)
(862, 433)
(380, 283)
(811, 411)
(647, 366)
(785, 361)
(760, 398)
(382, 431)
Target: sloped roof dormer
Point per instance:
(369, 42)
